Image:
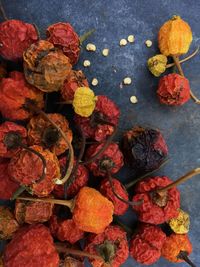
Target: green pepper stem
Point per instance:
(2, 11)
(184, 59)
(61, 248)
(179, 181)
(86, 35)
(183, 255)
(178, 65)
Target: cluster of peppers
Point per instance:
(54, 206)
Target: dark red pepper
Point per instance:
(8, 224)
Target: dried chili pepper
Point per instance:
(15, 37)
(41, 132)
(62, 35)
(26, 168)
(119, 207)
(3, 71)
(71, 262)
(111, 245)
(7, 186)
(81, 179)
(31, 246)
(144, 149)
(181, 224)
(75, 79)
(92, 212)
(156, 208)
(84, 101)
(65, 230)
(46, 67)
(8, 224)
(173, 90)
(97, 126)
(177, 248)
(157, 64)
(146, 244)
(6, 128)
(14, 93)
(32, 212)
(110, 160)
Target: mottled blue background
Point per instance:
(114, 20)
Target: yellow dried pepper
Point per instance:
(181, 224)
(157, 64)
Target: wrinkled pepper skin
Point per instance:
(8, 224)
(15, 37)
(111, 158)
(71, 262)
(181, 224)
(31, 246)
(41, 132)
(146, 244)
(119, 206)
(115, 237)
(173, 90)
(14, 92)
(26, 168)
(6, 128)
(81, 180)
(63, 36)
(144, 149)
(32, 212)
(46, 67)
(157, 64)
(92, 211)
(107, 110)
(173, 245)
(152, 209)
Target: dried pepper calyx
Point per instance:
(180, 224)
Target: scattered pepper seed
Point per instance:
(105, 52)
(133, 99)
(123, 42)
(91, 47)
(131, 38)
(148, 43)
(86, 63)
(95, 81)
(127, 80)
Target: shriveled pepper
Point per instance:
(157, 64)
(146, 244)
(3, 71)
(46, 67)
(41, 132)
(15, 92)
(111, 245)
(8, 224)
(15, 37)
(180, 224)
(71, 262)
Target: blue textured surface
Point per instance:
(114, 20)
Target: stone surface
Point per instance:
(114, 20)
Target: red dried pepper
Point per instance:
(8, 224)
(3, 71)
(81, 179)
(46, 67)
(119, 207)
(146, 244)
(26, 168)
(32, 212)
(6, 128)
(75, 80)
(110, 160)
(15, 37)
(65, 230)
(144, 148)
(62, 35)
(7, 186)
(14, 93)
(95, 126)
(173, 90)
(31, 246)
(111, 245)
(41, 132)
(155, 208)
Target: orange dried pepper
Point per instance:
(8, 224)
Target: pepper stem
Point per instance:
(184, 256)
(67, 203)
(86, 35)
(179, 181)
(34, 108)
(2, 11)
(184, 59)
(61, 248)
(178, 65)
